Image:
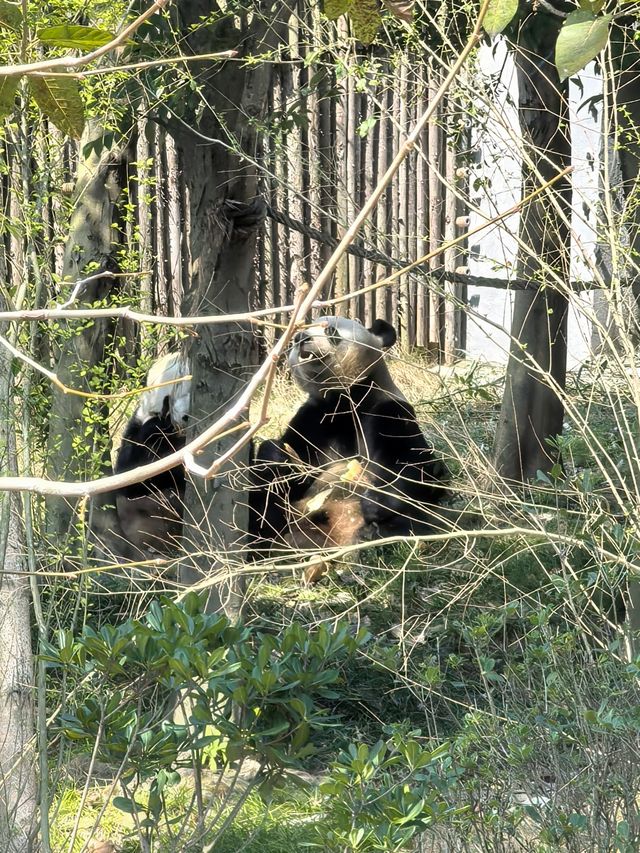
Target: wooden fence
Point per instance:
(333, 126)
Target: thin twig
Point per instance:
(139, 66)
(137, 475)
(78, 61)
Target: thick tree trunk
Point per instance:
(17, 748)
(89, 249)
(221, 242)
(531, 410)
(618, 307)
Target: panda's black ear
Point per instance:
(166, 407)
(385, 332)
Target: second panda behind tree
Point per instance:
(150, 512)
(354, 411)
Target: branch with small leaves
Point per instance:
(53, 83)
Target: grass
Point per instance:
(509, 646)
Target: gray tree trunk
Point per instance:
(619, 255)
(531, 410)
(221, 248)
(17, 746)
(619, 240)
(89, 249)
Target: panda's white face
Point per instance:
(335, 353)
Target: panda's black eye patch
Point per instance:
(333, 334)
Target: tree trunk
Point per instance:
(17, 752)
(222, 242)
(618, 307)
(531, 410)
(89, 249)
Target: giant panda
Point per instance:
(356, 414)
(352, 465)
(150, 512)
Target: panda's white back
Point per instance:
(166, 369)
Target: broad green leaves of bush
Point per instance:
(137, 675)
(498, 15)
(380, 797)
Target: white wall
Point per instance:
(498, 166)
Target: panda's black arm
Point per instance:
(277, 480)
(403, 467)
(132, 451)
(311, 432)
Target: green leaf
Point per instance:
(498, 15)
(365, 19)
(580, 40)
(59, 99)
(334, 8)
(125, 804)
(8, 89)
(10, 15)
(75, 37)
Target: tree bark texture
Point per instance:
(17, 748)
(619, 240)
(531, 409)
(222, 241)
(89, 249)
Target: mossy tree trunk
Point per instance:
(224, 212)
(89, 249)
(17, 755)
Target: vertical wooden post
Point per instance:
(411, 216)
(272, 257)
(369, 168)
(281, 178)
(143, 209)
(174, 217)
(294, 154)
(351, 182)
(435, 212)
(382, 210)
(403, 207)
(450, 255)
(422, 227)
(395, 205)
(160, 223)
